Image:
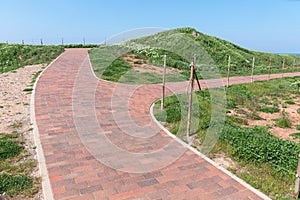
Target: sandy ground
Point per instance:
(268, 119)
(15, 109)
(141, 65)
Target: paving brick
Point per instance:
(91, 189)
(76, 173)
(148, 182)
(158, 194)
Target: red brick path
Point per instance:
(100, 142)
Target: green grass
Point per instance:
(265, 161)
(265, 101)
(108, 65)
(290, 102)
(283, 122)
(79, 45)
(268, 109)
(12, 185)
(14, 56)
(295, 135)
(16, 168)
(27, 89)
(9, 149)
(35, 76)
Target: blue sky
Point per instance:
(263, 25)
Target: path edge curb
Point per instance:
(231, 175)
(46, 185)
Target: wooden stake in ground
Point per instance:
(294, 65)
(188, 130)
(269, 70)
(283, 63)
(253, 62)
(163, 85)
(297, 183)
(228, 70)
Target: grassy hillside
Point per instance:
(181, 44)
(13, 56)
(219, 49)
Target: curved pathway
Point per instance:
(99, 141)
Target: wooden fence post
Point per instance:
(228, 70)
(270, 63)
(188, 129)
(297, 183)
(294, 65)
(164, 82)
(283, 63)
(253, 62)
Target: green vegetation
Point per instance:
(283, 122)
(79, 45)
(108, 64)
(268, 109)
(180, 45)
(290, 102)
(15, 167)
(118, 68)
(28, 89)
(295, 135)
(14, 184)
(265, 161)
(9, 149)
(35, 76)
(14, 56)
(296, 84)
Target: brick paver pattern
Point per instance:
(68, 100)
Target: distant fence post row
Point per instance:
(269, 68)
(41, 42)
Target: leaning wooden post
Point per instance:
(253, 62)
(269, 70)
(164, 82)
(188, 129)
(297, 183)
(283, 63)
(228, 70)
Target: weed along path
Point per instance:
(98, 141)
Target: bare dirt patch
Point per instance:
(142, 65)
(268, 119)
(225, 161)
(15, 110)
